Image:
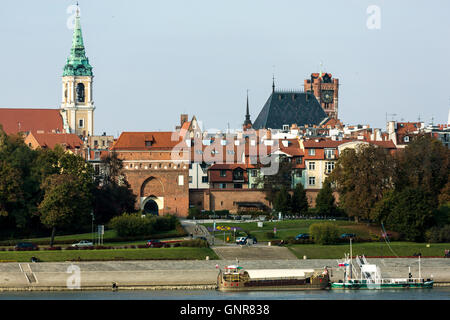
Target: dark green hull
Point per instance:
(421, 285)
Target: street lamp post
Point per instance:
(214, 227)
(92, 214)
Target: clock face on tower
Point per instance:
(327, 96)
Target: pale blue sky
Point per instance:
(156, 59)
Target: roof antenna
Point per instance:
(273, 79)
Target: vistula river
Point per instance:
(437, 293)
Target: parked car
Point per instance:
(26, 246)
(302, 236)
(348, 235)
(83, 243)
(246, 240)
(251, 240)
(154, 244)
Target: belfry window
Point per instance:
(81, 123)
(80, 92)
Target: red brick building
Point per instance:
(156, 166)
(326, 90)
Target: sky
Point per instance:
(156, 59)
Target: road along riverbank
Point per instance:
(186, 274)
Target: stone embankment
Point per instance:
(155, 275)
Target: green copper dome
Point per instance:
(77, 63)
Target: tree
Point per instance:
(361, 176)
(324, 232)
(325, 202)
(409, 211)
(66, 202)
(113, 195)
(17, 187)
(423, 163)
(299, 203)
(282, 201)
(274, 182)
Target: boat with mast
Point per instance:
(365, 275)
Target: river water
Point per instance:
(437, 293)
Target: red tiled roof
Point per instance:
(384, 144)
(31, 120)
(50, 140)
(137, 141)
(408, 127)
(324, 143)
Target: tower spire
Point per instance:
(77, 63)
(247, 122)
(273, 82)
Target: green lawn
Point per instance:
(178, 253)
(290, 228)
(109, 235)
(313, 251)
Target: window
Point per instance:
(299, 160)
(254, 186)
(180, 180)
(329, 166)
(81, 123)
(312, 181)
(285, 127)
(80, 92)
(148, 143)
(238, 185)
(329, 153)
(95, 143)
(406, 139)
(312, 166)
(223, 186)
(205, 179)
(223, 173)
(254, 173)
(190, 179)
(312, 152)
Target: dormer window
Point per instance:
(285, 127)
(148, 143)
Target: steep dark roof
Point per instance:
(289, 107)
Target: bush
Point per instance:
(437, 234)
(299, 241)
(53, 248)
(270, 235)
(324, 233)
(198, 243)
(128, 225)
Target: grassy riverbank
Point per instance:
(286, 229)
(179, 253)
(377, 249)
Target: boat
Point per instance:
(365, 275)
(235, 278)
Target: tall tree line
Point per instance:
(46, 190)
(406, 191)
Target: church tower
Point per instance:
(77, 107)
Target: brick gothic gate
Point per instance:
(152, 196)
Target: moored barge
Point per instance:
(235, 278)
